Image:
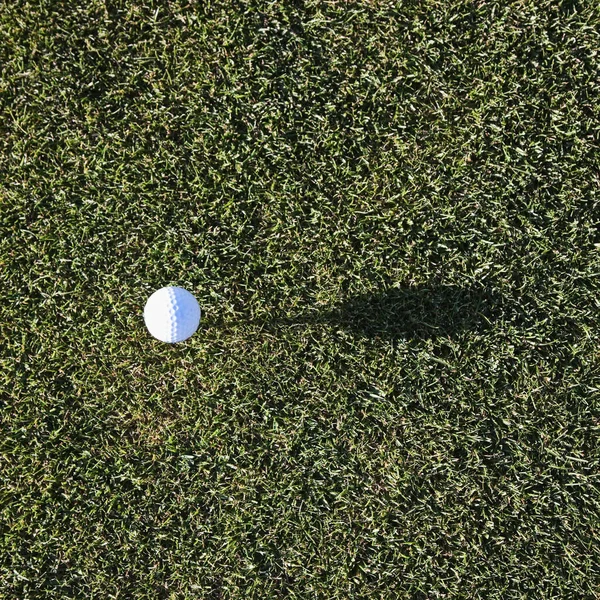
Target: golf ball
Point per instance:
(172, 314)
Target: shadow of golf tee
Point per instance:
(426, 311)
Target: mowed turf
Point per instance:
(389, 214)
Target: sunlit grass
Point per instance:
(389, 215)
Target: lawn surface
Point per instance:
(389, 214)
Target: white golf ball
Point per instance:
(172, 314)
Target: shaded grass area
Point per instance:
(389, 214)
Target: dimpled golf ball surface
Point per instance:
(172, 314)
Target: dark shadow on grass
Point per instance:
(426, 311)
(417, 312)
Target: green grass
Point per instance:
(389, 214)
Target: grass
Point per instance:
(389, 214)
